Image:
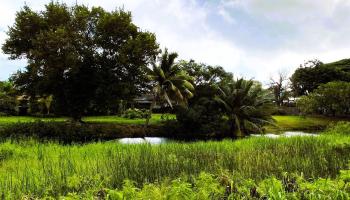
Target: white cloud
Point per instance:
(251, 38)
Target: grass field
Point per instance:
(156, 118)
(307, 123)
(283, 123)
(51, 169)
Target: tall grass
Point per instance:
(41, 169)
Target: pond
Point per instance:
(285, 134)
(161, 140)
(150, 140)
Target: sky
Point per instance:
(251, 38)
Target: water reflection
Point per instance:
(286, 134)
(150, 140)
(161, 140)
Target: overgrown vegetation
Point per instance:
(314, 73)
(227, 186)
(332, 99)
(31, 168)
(49, 169)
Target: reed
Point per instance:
(50, 169)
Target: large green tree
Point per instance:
(7, 98)
(203, 114)
(82, 56)
(247, 106)
(314, 73)
(332, 98)
(170, 83)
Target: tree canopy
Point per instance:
(314, 73)
(247, 106)
(82, 56)
(332, 98)
(170, 82)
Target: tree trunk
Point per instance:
(150, 112)
(236, 128)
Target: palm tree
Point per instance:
(246, 105)
(170, 83)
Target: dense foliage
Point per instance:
(226, 186)
(83, 57)
(314, 73)
(203, 115)
(332, 98)
(247, 106)
(7, 99)
(170, 83)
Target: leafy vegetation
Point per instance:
(136, 114)
(332, 98)
(7, 99)
(247, 106)
(84, 61)
(170, 82)
(50, 169)
(84, 57)
(314, 73)
(227, 186)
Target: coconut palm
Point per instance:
(170, 83)
(246, 105)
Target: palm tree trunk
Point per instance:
(236, 127)
(150, 113)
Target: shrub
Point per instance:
(203, 118)
(134, 113)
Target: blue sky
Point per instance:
(251, 38)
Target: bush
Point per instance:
(7, 105)
(134, 113)
(201, 120)
(332, 98)
(72, 132)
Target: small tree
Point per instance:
(279, 87)
(170, 83)
(246, 105)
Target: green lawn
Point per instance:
(283, 123)
(156, 118)
(312, 123)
